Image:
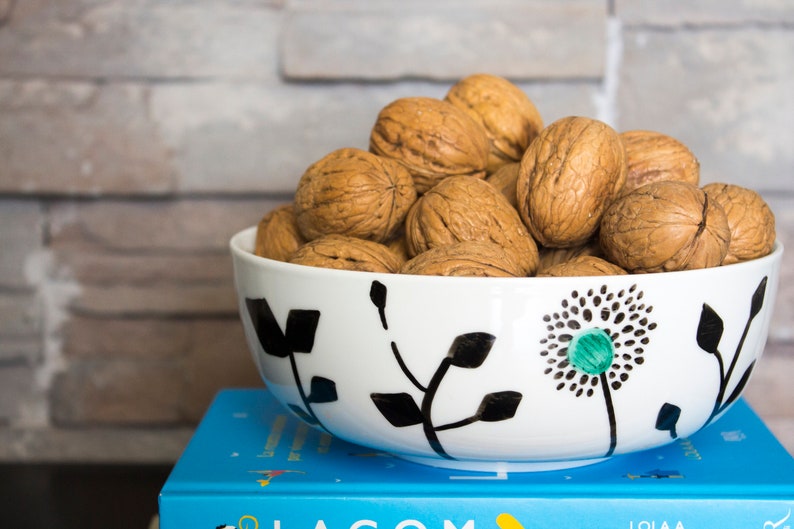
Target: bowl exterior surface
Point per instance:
(472, 371)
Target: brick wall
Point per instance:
(137, 136)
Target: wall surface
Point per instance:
(137, 135)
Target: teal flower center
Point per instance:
(591, 351)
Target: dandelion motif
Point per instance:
(595, 341)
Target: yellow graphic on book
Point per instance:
(508, 521)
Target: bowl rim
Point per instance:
(243, 251)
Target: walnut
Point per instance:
(465, 208)
(583, 265)
(353, 192)
(277, 234)
(432, 138)
(653, 156)
(509, 117)
(466, 258)
(504, 179)
(567, 178)
(750, 219)
(347, 253)
(553, 256)
(399, 245)
(665, 226)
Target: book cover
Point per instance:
(252, 465)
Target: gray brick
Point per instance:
(20, 314)
(16, 391)
(218, 358)
(79, 138)
(21, 230)
(725, 93)
(157, 300)
(540, 40)
(148, 227)
(16, 349)
(703, 12)
(119, 392)
(148, 39)
(782, 326)
(96, 445)
(770, 390)
(138, 338)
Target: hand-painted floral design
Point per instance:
(467, 351)
(297, 337)
(594, 341)
(709, 336)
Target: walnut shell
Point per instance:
(567, 178)
(347, 253)
(553, 256)
(504, 179)
(665, 226)
(466, 258)
(277, 234)
(750, 219)
(510, 118)
(465, 208)
(432, 138)
(353, 192)
(583, 265)
(653, 156)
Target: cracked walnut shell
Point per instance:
(347, 253)
(567, 178)
(653, 156)
(750, 219)
(432, 138)
(510, 119)
(665, 226)
(465, 258)
(353, 192)
(277, 234)
(465, 208)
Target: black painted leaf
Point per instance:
(266, 327)
(709, 330)
(322, 390)
(301, 327)
(667, 419)
(300, 412)
(377, 293)
(737, 391)
(758, 298)
(470, 350)
(399, 409)
(499, 406)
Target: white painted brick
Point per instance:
(725, 93)
(261, 138)
(142, 39)
(703, 12)
(380, 41)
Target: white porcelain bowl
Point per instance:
(500, 374)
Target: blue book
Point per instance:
(252, 465)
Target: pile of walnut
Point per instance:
(475, 185)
